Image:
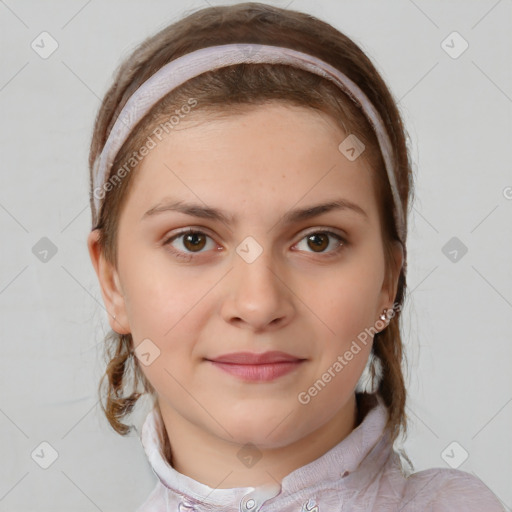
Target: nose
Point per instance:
(258, 296)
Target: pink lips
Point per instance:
(257, 367)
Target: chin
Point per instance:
(262, 428)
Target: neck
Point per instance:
(208, 459)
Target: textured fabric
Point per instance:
(361, 473)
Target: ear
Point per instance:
(111, 290)
(390, 284)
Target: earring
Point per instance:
(383, 317)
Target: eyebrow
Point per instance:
(297, 215)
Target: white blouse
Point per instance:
(361, 473)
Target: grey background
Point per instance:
(457, 318)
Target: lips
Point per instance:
(250, 358)
(251, 367)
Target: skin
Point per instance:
(297, 297)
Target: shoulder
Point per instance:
(448, 490)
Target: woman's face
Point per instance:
(267, 277)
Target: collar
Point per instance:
(364, 450)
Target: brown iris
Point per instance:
(194, 239)
(317, 243)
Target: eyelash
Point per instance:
(188, 256)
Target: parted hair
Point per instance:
(235, 89)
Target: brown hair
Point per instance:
(235, 89)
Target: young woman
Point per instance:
(250, 184)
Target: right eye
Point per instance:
(191, 242)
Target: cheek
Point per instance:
(347, 302)
(160, 295)
(169, 306)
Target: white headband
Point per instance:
(188, 66)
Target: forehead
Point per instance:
(268, 155)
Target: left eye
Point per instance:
(319, 240)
